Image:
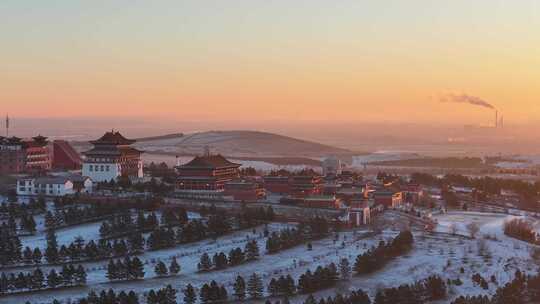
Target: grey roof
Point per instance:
(51, 180)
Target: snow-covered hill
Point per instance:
(238, 143)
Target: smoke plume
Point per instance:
(464, 98)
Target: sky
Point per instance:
(271, 60)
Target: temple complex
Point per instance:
(112, 157)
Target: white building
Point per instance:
(332, 166)
(53, 186)
(111, 158)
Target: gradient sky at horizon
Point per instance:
(288, 60)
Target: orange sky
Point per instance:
(308, 60)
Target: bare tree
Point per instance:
(473, 229)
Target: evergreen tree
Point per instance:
(51, 253)
(160, 269)
(174, 268)
(255, 286)
(168, 295)
(37, 279)
(36, 256)
(310, 300)
(205, 263)
(136, 242)
(252, 250)
(112, 271)
(239, 288)
(135, 269)
(345, 269)
(273, 287)
(220, 260)
(53, 279)
(80, 275)
(190, 296)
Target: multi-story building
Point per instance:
(331, 166)
(388, 198)
(306, 185)
(112, 157)
(12, 155)
(277, 184)
(38, 155)
(205, 176)
(244, 190)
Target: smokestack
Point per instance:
(501, 122)
(496, 118)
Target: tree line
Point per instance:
(236, 257)
(126, 269)
(488, 185)
(376, 257)
(68, 276)
(313, 228)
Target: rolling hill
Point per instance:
(238, 143)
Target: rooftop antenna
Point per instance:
(7, 125)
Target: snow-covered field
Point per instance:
(434, 253)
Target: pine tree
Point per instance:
(205, 263)
(160, 269)
(252, 250)
(51, 253)
(136, 269)
(53, 279)
(190, 296)
(136, 242)
(36, 255)
(205, 294)
(273, 288)
(151, 298)
(240, 288)
(169, 295)
(50, 221)
(174, 268)
(345, 269)
(112, 271)
(255, 286)
(220, 260)
(80, 275)
(37, 279)
(310, 300)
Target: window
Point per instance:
(91, 168)
(107, 168)
(102, 168)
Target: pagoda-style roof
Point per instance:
(40, 139)
(210, 162)
(11, 140)
(36, 142)
(112, 151)
(113, 138)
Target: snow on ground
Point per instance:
(64, 236)
(433, 253)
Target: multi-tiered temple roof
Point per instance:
(112, 144)
(210, 162)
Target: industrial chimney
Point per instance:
(496, 119)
